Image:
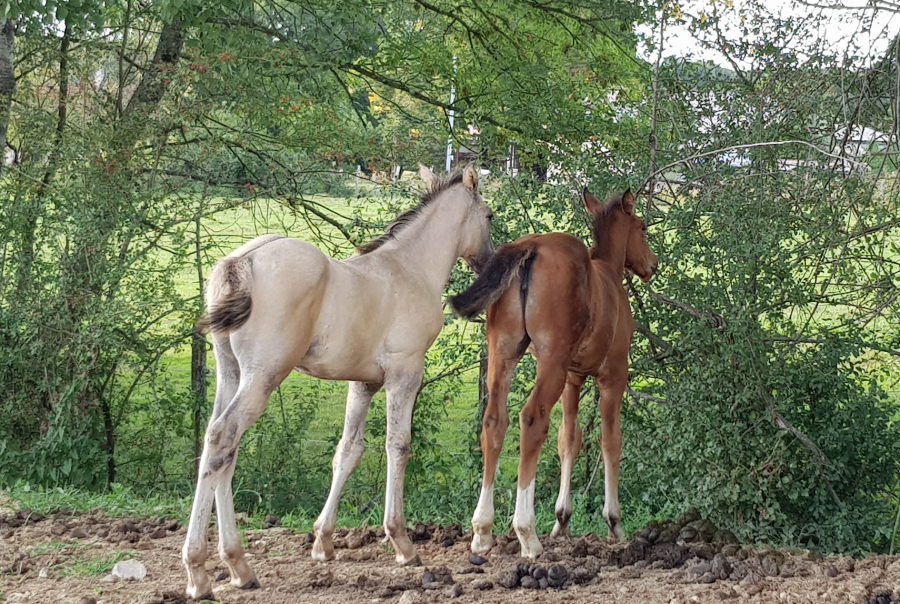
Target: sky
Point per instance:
(864, 33)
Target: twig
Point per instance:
(685, 160)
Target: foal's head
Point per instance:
(475, 246)
(616, 219)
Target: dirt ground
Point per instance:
(47, 560)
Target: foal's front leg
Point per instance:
(401, 387)
(346, 457)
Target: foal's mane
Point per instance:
(443, 183)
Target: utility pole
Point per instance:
(452, 100)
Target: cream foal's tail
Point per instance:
(228, 302)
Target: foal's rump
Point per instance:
(564, 259)
(266, 270)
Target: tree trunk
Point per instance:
(198, 355)
(154, 83)
(7, 81)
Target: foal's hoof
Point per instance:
(482, 543)
(322, 550)
(251, 584)
(208, 596)
(414, 561)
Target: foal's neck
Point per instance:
(430, 244)
(609, 247)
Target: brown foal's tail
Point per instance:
(495, 279)
(228, 302)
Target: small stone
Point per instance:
(129, 569)
(427, 577)
(271, 520)
(476, 559)
(482, 585)
(43, 574)
(456, 591)
(79, 534)
(58, 529)
(410, 597)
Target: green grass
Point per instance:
(119, 501)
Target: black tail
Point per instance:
(494, 279)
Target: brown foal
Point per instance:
(567, 304)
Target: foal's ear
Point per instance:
(628, 201)
(594, 206)
(470, 177)
(427, 176)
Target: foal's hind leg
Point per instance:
(263, 367)
(346, 457)
(534, 422)
(568, 445)
(217, 465)
(230, 549)
(611, 390)
(503, 356)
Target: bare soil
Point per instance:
(47, 560)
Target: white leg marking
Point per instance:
(523, 522)
(483, 520)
